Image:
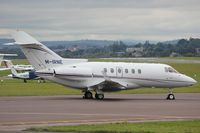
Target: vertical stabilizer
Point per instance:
(14, 72)
(37, 54)
(7, 63)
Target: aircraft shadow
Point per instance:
(107, 99)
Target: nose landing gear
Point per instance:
(170, 96)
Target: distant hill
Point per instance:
(3, 41)
(79, 43)
(173, 42)
(87, 43)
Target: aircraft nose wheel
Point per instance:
(88, 95)
(99, 96)
(170, 97)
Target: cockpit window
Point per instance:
(170, 69)
(166, 69)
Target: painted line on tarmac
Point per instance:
(94, 114)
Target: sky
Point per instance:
(156, 20)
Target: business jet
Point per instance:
(98, 77)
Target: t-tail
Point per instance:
(38, 54)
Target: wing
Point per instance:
(3, 69)
(110, 85)
(107, 84)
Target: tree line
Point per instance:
(184, 47)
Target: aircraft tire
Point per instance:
(99, 96)
(171, 97)
(88, 95)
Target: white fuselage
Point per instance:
(128, 75)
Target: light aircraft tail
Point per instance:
(7, 63)
(38, 54)
(2, 56)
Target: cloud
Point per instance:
(105, 19)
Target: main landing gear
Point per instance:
(170, 96)
(25, 81)
(88, 95)
(98, 96)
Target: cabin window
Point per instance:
(126, 70)
(119, 70)
(111, 70)
(139, 71)
(105, 70)
(133, 71)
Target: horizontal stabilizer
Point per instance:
(23, 38)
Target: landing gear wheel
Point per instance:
(99, 96)
(88, 95)
(25, 81)
(170, 97)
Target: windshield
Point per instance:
(170, 69)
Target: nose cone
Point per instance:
(190, 80)
(194, 81)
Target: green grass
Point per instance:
(132, 59)
(4, 73)
(17, 87)
(32, 88)
(192, 126)
(184, 58)
(20, 61)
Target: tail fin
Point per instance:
(37, 54)
(7, 63)
(13, 71)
